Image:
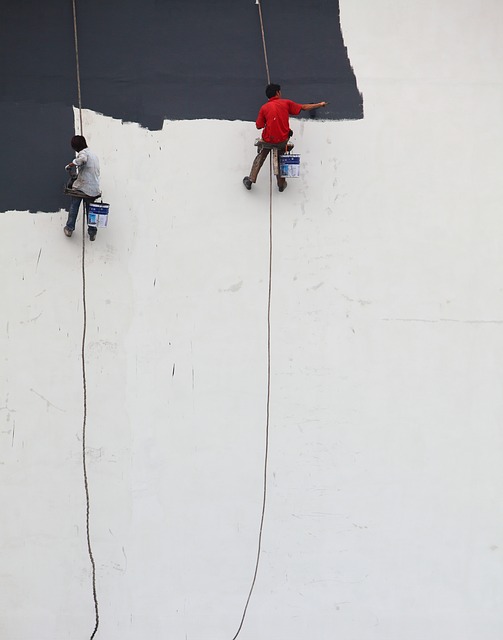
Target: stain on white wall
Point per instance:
(383, 516)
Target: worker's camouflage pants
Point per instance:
(263, 150)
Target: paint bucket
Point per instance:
(98, 214)
(289, 165)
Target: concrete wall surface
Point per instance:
(384, 515)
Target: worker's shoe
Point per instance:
(68, 232)
(247, 182)
(282, 186)
(92, 234)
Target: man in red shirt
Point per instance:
(273, 118)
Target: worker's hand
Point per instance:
(323, 104)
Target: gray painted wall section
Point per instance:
(149, 62)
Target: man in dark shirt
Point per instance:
(273, 118)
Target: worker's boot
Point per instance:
(282, 184)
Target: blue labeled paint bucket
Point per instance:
(98, 214)
(289, 165)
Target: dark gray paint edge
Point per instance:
(151, 61)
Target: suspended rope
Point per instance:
(83, 351)
(84, 429)
(268, 403)
(258, 3)
(268, 398)
(77, 64)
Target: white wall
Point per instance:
(384, 512)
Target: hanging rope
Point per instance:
(268, 403)
(83, 350)
(77, 64)
(258, 3)
(84, 425)
(268, 399)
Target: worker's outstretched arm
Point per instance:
(313, 105)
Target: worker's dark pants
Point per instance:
(73, 211)
(263, 150)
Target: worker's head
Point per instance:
(78, 143)
(272, 90)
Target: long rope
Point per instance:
(77, 64)
(84, 425)
(268, 404)
(258, 3)
(268, 399)
(83, 353)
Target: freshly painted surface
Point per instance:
(383, 517)
(151, 61)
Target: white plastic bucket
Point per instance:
(289, 165)
(98, 214)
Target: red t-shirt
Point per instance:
(273, 118)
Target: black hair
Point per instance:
(272, 89)
(78, 143)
